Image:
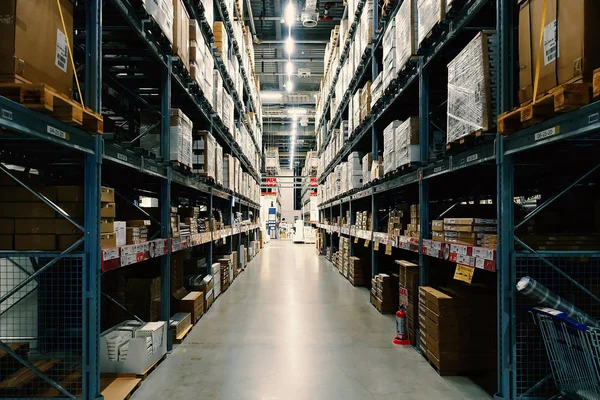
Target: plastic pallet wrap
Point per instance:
(469, 88)
(217, 92)
(529, 287)
(366, 168)
(429, 13)
(407, 142)
(219, 164)
(406, 33)
(389, 146)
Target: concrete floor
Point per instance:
(292, 328)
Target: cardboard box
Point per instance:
(7, 226)
(70, 194)
(181, 32)
(34, 44)
(26, 210)
(573, 56)
(66, 241)
(108, 210)
(74, 210)
(107, 195)
(107, 226)
(20, 194)
(35, 242)
(108, 240)
(437, 225)
(120, 232)
(35, 226)
(6, 242)
(193, 303)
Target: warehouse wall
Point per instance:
(287, 198)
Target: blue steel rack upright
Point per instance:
(523, 372)
(96, 153)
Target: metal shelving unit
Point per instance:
(69, 155)
(550, 160)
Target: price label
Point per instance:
(110, 254)
(464, 273)
(356, 239)
(388, 250)
(482, 252)
(366, 243)
(458, 249)
(376, 246)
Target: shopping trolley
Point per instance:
(573, 350)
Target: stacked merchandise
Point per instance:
(221, 39)
(389, 54)
(437, 230)
(218, 93)
(407, 149)
(180, 136)
(377, 89)
(488, 240)
(389, 143)
(193, 303)
(366, 168)
(204, 148)
(136, 231)
(120, 232)
(406, 29)
(190, 216)
(225, 265)
(430, 13)
(227, 111)
(409, 293)
(414, 227)
(108, 236)
(355, 112)
(142, 297)
(384, 293)
(467, 231)
(228, 171)
(181, 33)
(355, 272)
(162, 14)
(200, 61)
(174, 223)
(470, 95)
(377, 169)
(219, 164)
(363, 220)
(207, 286)
(354, 171)
(394, 227)
(365, 101)
(216, 273)
(344, 254)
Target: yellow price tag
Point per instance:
(366, 243)
(356, 239)
(376, 246)
(464, 273)
(388, 250)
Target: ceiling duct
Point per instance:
(310, 15)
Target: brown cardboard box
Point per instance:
(64, 227)
(20, 194)
(437, 300)
(107, 195)
(437, 225)
(181, 32)
(70, 194)
(65, 241)
(578, 33)
(108, 210)
(138, 222)
(75, 210)
(6, 242)
(193, 303)
(35, 242)
(34, 44)
(448, 363)
(7, 226)
(108, 240)
(35, 226)
(26, 210)
(107, 225)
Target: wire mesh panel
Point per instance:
(41, 325)
(534, 376)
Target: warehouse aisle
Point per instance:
(292, 328)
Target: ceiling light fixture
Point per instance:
(289, 14)
(289, 68)
(290, 86)
(296, 111)
(271, 95)
(289, 45)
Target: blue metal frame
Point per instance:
(423, 184)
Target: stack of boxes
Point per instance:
(219, 164)
(389, 54)
(363, 220)
(218, 92)
(225, 266)
(221, 39)
(430, 13)
(190, 216)
(467, 231)
(406, 148)
(365, 102)
(108, 236)
(355, 172)
(488, 240)
(384, 293)
(437, 230)
(394, 227)
(414, 227)
(344, 254)
(216, 273)
(409, 295)
(377, 89)
(181, 33)
(204, 148)
(180, 137)
(406, 33)
(389, 143)
(367, 160)
(174, 223)
(136, 231)
(355, 272)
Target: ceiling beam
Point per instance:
(299, 60)
(297, 41)
(282, 73)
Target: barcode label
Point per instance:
(551, 50)
(56, 132)
(62, 51)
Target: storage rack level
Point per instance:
(497, 169)
(56, 153)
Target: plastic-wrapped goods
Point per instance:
(407, 142)
(356, 109)
(217, 92)
(406, 33)
(377, 89)
(469, 89)
(181, 32)
(355, 173)
(343, 177)
(180, 136)
(227, 112)
(389, 146)
(228, 171)
(203, 154)
(389, 53)
(429, 13)
(208, 12)
(529, 287)
(366, 167)
(162, 13)
(219, 164)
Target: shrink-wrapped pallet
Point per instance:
(407, 142)
(406, 33)
(389, 147)
(469, 89)
(429, 14)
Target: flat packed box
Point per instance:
(181, 32)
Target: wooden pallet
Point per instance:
(119, 386)
(181, 337)
(72, 383)
(401, 169)
(465, 140)
(45, 99)
(561, 99)
(596, 84)
(144, 374)
(24, 377)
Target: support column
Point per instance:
(93, 178)
(165, 202)
(423, 184)
(374, 228)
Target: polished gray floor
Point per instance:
(292, 328)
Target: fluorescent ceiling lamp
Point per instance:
(271, 95)
(290, 86)
(289, 14)
(289, 68)
(297, 111)
(289, 45)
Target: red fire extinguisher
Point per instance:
(401, 338)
